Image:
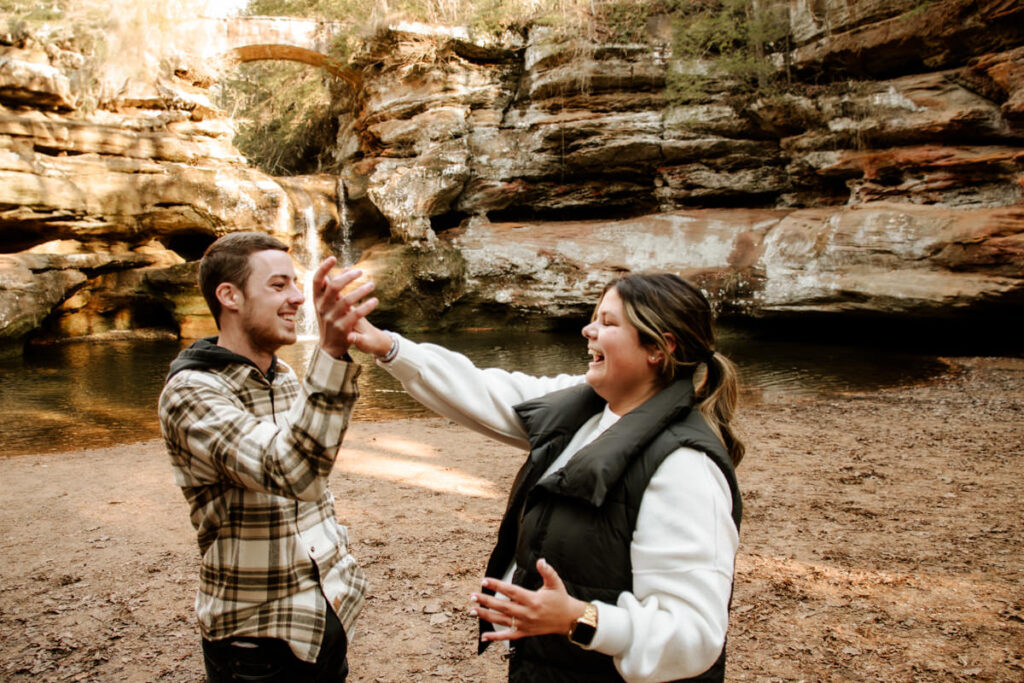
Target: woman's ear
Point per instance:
(229, 296)
(655, 355)
(670, 342)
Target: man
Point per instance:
(251, 449)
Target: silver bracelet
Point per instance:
(392, 352)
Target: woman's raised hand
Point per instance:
(550, 609)
(368, 338)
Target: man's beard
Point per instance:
(266, 334)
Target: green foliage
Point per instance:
(623, 21)
(21, 13)
(283, 113)
(615, 21)
(733, 39)
(488, 16)
(706, 29)
(334, 10)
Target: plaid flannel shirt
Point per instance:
(252, 457)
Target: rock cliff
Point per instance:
(891, 183)
(503, 181)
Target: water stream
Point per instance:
(312, 254)
(345, 220)
(91, 395)
(311, 243)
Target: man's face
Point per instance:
(272, 299)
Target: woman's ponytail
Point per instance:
(718, 396)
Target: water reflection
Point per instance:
(84, 395)
(89, 395)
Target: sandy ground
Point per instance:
(881, 542)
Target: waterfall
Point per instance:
(312, 251)
(311, 242)
(345, 223)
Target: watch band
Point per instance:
(584, 628)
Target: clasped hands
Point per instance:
(337, 313)
(549, 609)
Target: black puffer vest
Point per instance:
(581, 518)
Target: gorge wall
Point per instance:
(505, 181)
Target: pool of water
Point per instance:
(89, 395)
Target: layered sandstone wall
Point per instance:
(509, 179)
(889, 181)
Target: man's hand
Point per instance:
(337, 314)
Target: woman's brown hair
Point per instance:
(660, 304)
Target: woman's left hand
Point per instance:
(549, 609)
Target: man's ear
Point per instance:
(229, 296)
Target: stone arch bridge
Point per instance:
(248, 39)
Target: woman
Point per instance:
(614, 559)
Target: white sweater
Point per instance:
(673, 624)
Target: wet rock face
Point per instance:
(879, 39)
(418, 286)
(408, 194)
(65, 289)
(27, 296)
(552, 129)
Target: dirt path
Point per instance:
(881, 542)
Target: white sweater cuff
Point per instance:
(405, 365)
(614, 630)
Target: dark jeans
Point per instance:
(269, 660)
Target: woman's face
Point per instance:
(622, 371)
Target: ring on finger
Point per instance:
(513, 624)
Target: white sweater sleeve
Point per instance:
(449, 384)
(674, 622)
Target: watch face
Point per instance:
(582, 633)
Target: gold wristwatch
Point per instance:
(584, 628)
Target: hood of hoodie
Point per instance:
(204, 354)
